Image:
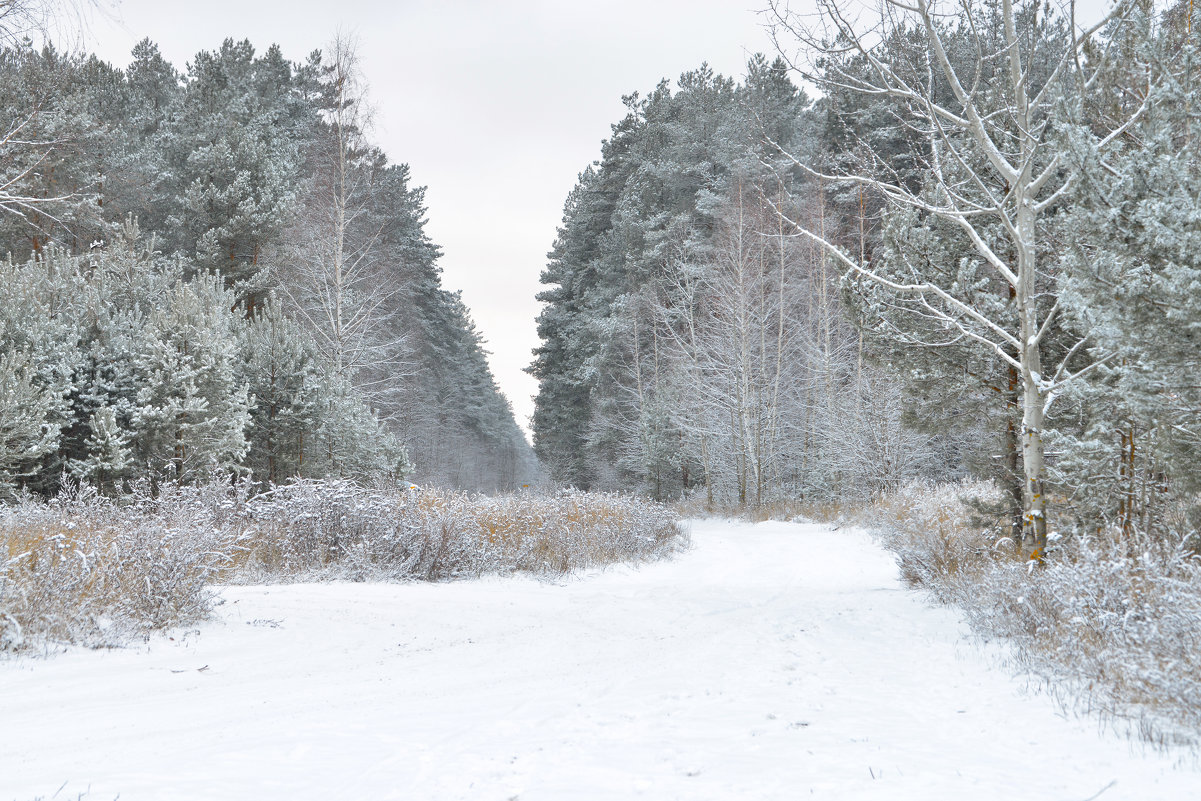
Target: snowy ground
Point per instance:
(776, 661)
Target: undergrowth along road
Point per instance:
(774, 661)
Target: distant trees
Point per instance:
(691, 341)
(218, 271)
(970, 255)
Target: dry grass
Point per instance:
(336, 529)
(816, 511)
(930, 529)
(84, 569)
(1112, 633)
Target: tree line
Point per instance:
(217, 270)
(971, 252)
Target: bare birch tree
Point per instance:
(734, 332)
(329, 270)
(25, 148)
(977, 85)
(45, 19)
(23, 152)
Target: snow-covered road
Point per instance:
(776, 661)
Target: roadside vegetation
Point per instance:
(1108, 622)
(86, 569)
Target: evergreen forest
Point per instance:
(960, 243)
(215, 271)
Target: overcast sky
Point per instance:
(496, 107)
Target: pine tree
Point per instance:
(284, 376)
(1132, 269)
(26, 434)
(109, 455)
(231, 154)
(193, 406)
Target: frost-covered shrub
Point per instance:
(88, 569)
(930, 529)
(83, 569)
(1124, 631)
(1119, 632)
(338, 529)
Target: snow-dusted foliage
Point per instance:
(298, 326)
(80, 568)
(124, 365)
(692, 342)
(1117, 631)
(87, 569)
(337, 529)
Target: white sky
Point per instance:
(496, 107)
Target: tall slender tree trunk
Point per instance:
(1128, 477)
(1015, 485)
(1034, 539)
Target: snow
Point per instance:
(775, 661)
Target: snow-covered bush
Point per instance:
(1120, 632)
(338, 529)
(85, 568)
(937, 542)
